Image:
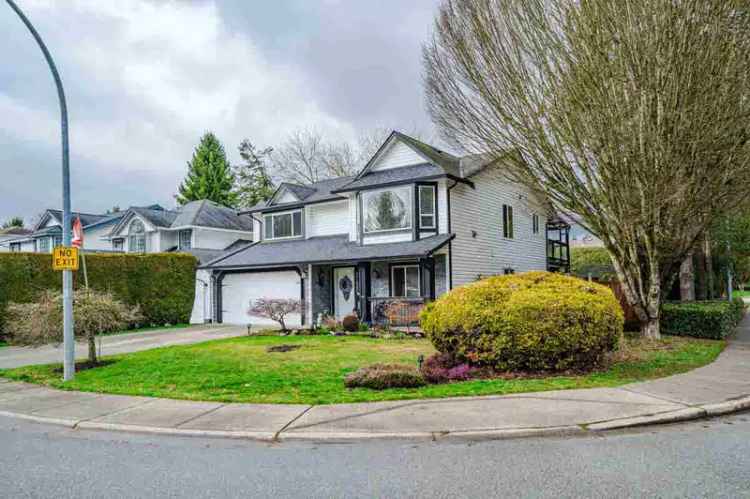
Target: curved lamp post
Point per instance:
(69, 344)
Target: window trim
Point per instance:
(534, 223)
(14, 247)
(136, 237)
(44, 244)
(508, 229)
(392, 290)
(433, 187)
(118, 244)
(180, 246)
(409, 204)
(282, 213)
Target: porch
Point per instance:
(383, 292)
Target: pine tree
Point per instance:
(209, 175)
(253, 184)
(13, 222)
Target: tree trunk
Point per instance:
(651, 329)
(709, 268)
(687, 279)
(701, 288)
(92, 349)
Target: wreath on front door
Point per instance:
(346, 286)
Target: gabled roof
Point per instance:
(321, 191)
(325, 249)
(158, 217)
(206, 213)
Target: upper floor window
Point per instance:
(137, 237)
(42, 245)
(427, 207)
(283, 225)
(387, 209)
(535, 223)
(507, 221)
(185, 239)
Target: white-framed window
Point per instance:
(185, 239)
(15, 247)
(427, 207)
(387, 209)
(118, 244)
(57, 241)
(405, 281)
(507, 221)
(535, 223)
(284, 225)
(42, 245)
(137, 237)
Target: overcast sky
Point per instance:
(145, 78)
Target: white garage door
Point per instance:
(239, 290)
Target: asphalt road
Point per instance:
(699, 459)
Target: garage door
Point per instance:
(239, 290)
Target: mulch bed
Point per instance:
(282, 348)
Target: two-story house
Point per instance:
(47, 232)
(413, 224)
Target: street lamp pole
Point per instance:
(68, 341)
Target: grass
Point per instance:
(3, 344)
(241, 370)
(741, 293)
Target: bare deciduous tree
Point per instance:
(276, 309)
(308, 156)
(631, 114)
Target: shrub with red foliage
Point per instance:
(443, 368)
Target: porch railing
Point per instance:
(396, 312)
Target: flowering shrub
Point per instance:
(382, 376)
(442, 368)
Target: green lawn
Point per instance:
(741, 294)
(240, 370)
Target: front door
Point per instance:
(343, 285)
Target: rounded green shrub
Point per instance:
(536, 321)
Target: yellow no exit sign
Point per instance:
(65, 258)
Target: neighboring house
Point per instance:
(202, 228)
(413, 224)
(7, 236)
(47, 233)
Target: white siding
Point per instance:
(480, 210)
(354, 218)
(387, 237)
(93, 239)
(442, 205)
(327, 219)
(397, 155)
(202, 304)
(286, 197)
(206, 238)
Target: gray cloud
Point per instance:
(145, 79)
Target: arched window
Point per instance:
(137, 237)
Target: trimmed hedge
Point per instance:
(162, 284)
(702, 319)
(536, 321)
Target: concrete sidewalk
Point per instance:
(719, 388)
(11, 357)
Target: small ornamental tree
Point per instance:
(95, 313)
(276, 309)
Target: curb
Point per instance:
(680, 415)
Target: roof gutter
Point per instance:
(407, 181)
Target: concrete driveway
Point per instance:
(120, 343)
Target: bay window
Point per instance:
(386, 210)
(283, 225)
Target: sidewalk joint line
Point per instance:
(200, 415)
(118, 411)
(276, 436)
(647, 394)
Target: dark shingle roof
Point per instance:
(15, 231)
(86, 218)
(156, 217)
(209, 214)
(325, 249)
(393, 175)
(323, 190)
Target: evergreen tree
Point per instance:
(13, 222)
(253, 184)
(209, 175)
